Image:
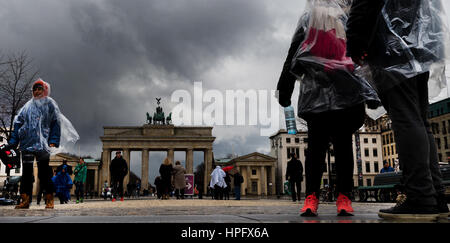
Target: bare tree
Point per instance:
(16, 77)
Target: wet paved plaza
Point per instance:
(150, 210)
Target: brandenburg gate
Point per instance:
(154, 137)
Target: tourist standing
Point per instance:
(166, 171)
(294, 174)
(80, 180)
(404, 45)
(218, 182)
(179, 180)
(118, 170)
(332, 98)
(37, 129)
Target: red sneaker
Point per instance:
(344, 205)
(121, 199)
(310, 207)
(113, 200)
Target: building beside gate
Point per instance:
(258, 171)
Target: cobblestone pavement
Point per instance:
(189, 211)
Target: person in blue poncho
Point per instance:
(63, 183)
(37, 129)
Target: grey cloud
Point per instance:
(95, 52)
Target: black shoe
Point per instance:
(442, 206)
(405, 210)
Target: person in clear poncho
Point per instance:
(39, 130)
(218, 182)
(403, 45)
(332, 98)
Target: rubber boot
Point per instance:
(49, 201)
(24, 202)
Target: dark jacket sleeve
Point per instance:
(361, 25)
(286, 83)
(125, 166)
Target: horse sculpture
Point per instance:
(149, 119)
(169, 118)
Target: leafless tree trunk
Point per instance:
(16, 77)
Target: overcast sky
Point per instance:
(107, 60)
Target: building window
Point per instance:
(438, 143)
(376, 166)
(253, 172)
(369, 182)
(288, 140)
(297, 140)
(366, 140)
(440, 157)
(392, 148)
(444, 128)
(374, 140)
(375, 152)
(366, 152)
(367, 167)
(446, 142)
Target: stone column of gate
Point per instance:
(105, 167)
(171, 156)
(126, 157)
(207, 158)
(190, 161)
(144, 177)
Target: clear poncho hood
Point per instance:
(40, 123)
(327, 76)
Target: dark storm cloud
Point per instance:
(108, 60)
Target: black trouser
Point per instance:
(296, 194)
(336, 127)
(117, 186)
(218, 192)
(45, 172)
(179, 193)
(79, 190)
(407, 105)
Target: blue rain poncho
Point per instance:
(63, 183)
(40, 123)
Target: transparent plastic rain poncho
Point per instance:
(326, 74)
(40, 123)
(413, 38)
(217, 178)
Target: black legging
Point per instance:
(45, 172)
(336, 127)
